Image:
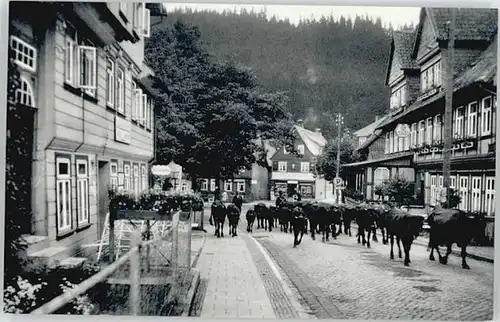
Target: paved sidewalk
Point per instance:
(234, 287)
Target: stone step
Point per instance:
(72, 262)
(50, 256)
(36, 243)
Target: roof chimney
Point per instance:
(318, 130)
(300, 122)
(377, 118)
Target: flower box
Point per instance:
(466, 145)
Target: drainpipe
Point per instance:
(83, 123)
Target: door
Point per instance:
(464, 192)
(103, 182)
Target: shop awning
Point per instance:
(378, 161)
(292, 176)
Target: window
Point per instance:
(228, 185)
(137, 188)
(123, 7)
(437, 128)
(300, 149)
(110, 83)
(458, 125)
(453, 182)
(80, 68)
(391, 142)
(387, 146)
(25, 54)
(142, 20)
(82, 192)
(135, 94)
(184, 187)
(490, 196)
(24, 94)
(120, 91)
(421, 130)
(63, 194)
(401, 143)
(486, 116)
(204, 185)
(282, 166)
(285, 151)
(240, 186)
(293, 166)
(148, 113)
(113, 175)
(433, 190)
(212, 185)
(463, 190)
(398, 97)
(406, 143)
(380, 175)
(428, 131)
(396, 141)
(476, 194)
(413, 134)
(304, 167)
(472, 120)
(431, 77)
(126, 180)
(144, 107)
(144, 176)
(137, 105)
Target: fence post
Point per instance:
(135, 275)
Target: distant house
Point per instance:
(367, 132)
(295, 174)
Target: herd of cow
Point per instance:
(447, 226)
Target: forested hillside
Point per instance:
(326, 66)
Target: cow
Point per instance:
(262, 214)
(381, 211)
(233, 216)
(405, 227)
(250, 216)
(366, 219)
(285, 216)
(309, 209)
(219, 216)
(348, 215)
(273, 216)
(299, 223)
(335, 218)
(449, 226)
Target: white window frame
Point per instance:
(142, 113)
(486, 115)
(406, 143)
(305, 167)
(184, 186)
(428, 130)
(458, 125)
(240, 184)
(64, 214)
(25, 94)
(413, 134)
(87, 83)
(282, 166)
(135, 94)
(489, 196)
(437, 127)
(213, 186)
(380, 175)
(472, 119)
(110, 83)
(137, 181)
(301, 149)
(144, 177)
(120, 90)
(123, 7)
(126, 179)
(387, 143)
(142, 20)
(20, 47)
(285, 151)
(391, 142)
(204, 185)
(113, 175)
(463, 189)
(401, 143)
(476, 193)
(433, 190)
(138, 104)
(421, 133)
(82, 193)
(228, 185)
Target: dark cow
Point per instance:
(219, 216)
(310, 213)
(233, 216)
(285, 216)
(405, 227)
(449, 226)
(250, 216)
(274, 216)
(348, 215)
(299, 223)
(335, 214)
(366, 218)
(381, 211)
(262, 214)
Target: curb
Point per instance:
(421, 243)
(191, 292)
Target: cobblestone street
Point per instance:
(341, 279)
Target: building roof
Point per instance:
(483, 70)
(375, 135)
(403, 44)
(368, 130)
(314, 141)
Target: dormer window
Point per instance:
(300, 149)
(431, 77)
(399, 98)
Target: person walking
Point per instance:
(238, 201)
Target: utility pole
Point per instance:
(339, 125)
(448, 108)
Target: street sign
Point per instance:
(403, 130)
(338, 181)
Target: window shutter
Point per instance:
(275, 165)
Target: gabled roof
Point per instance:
(401, 44)
(483, 70)
(375, 135)
(470, 24)
(314, 141)
(368, 130)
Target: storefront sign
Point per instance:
(403, 130)
(292, 182)
(254, 181)
(122, 130)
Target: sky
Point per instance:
(397, 16)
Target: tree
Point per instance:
(211, 111)
(326, 164)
